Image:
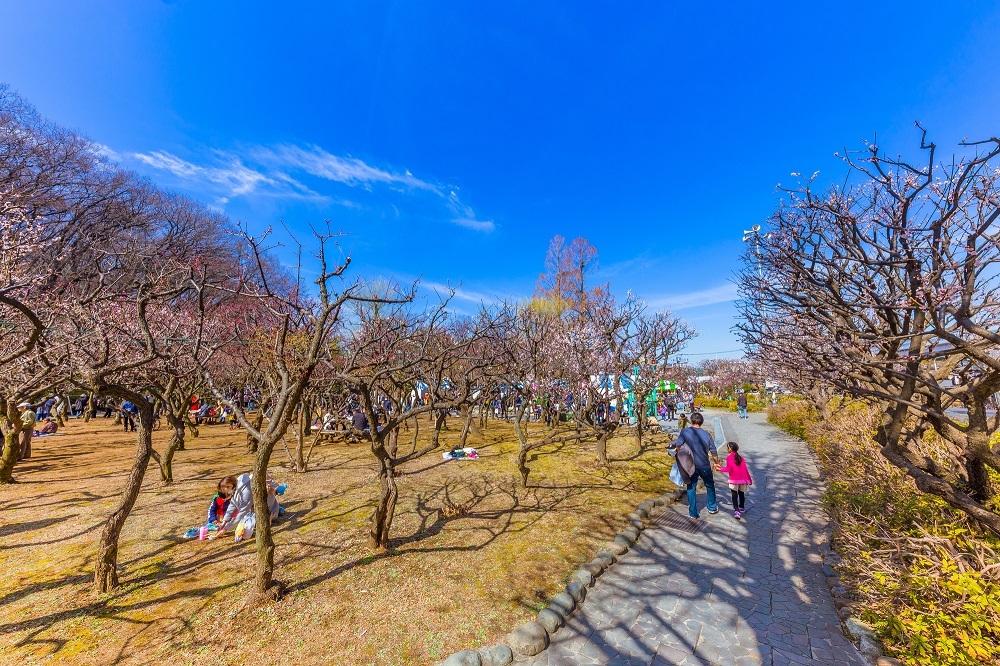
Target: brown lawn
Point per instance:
(473, 554)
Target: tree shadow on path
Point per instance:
(720, 591)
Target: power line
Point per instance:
(715, 353)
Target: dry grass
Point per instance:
(473, 555)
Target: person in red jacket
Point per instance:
(220, 502)
(739, 478)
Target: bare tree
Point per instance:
(886, 289)
(298, 330)
(387, 353)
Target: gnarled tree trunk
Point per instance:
(386, 508)
(106, 567)
(11, 450)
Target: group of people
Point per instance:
(29, 421)
(697, 457)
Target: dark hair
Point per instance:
(231, 480)
(697, 419)
(734, 447)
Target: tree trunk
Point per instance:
(387, 495)
(980, 482)
(258, 423)
(466, 425)
(88, 411)
(106, 567)
(176, 444)
(977, 447)
(602, 447)
(522, 453)
(11, 452)
(416, 432)
(393, 443)
(57, 409)
(189, 424)
(305, 430)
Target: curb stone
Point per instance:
(533, 634)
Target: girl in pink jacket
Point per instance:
(739, 478)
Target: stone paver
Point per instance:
(722, 592)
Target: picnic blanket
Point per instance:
(468, 453)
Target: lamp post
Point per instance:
(753, 234)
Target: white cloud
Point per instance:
(464, 216)
(266, 171)
(474, 224)
(462, 294)
(721, 294)
(347, 170)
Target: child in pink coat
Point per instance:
(739, 478)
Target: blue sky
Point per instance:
(453, 140)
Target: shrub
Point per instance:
(754, 404)
(927, 581)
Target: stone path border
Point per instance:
(532, 637)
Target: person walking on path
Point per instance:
(739, 478)
(702, 446)
(28, 421)
(741, 404)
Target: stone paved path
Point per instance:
(723, 592)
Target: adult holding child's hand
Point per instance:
(702, 446)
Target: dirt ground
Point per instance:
(473, 555)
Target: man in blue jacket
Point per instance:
(702, 446)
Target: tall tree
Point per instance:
(569, 270)
(887, 289)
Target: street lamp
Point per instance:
(753, 234)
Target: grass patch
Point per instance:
(451, 580)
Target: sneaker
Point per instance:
(736, 514)
(713, 511)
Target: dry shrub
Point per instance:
(927, 580)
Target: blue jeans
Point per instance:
(706, 476)
(743, 411)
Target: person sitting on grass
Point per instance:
(206, 412)
(240, 514)
(359, 424)
(49, 427)
(221, 500)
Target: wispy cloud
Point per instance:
(347, 170)
(693, 299)
(461, 294)
(226, 176)
(464, 216)
(642, 262)
(278, 172)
